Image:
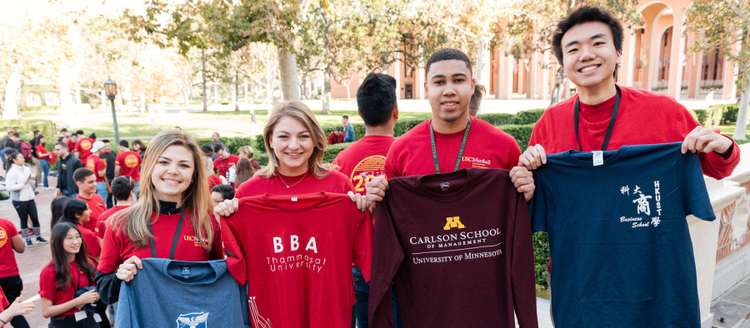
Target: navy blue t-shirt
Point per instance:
(619, 237)
(169, 293)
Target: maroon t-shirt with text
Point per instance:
(457, 247)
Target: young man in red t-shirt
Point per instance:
(449, 87)
(365, 159)
(122, 192)
(83, 146)
(86, 182)
(128, 163)
(588, 45)
(336, 136)
(224, 161)
(99, 167)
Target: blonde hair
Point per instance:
(208, 163)
(299, 111)
(247, 150)
(134, 220)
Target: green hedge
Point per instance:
(26, 127)
(540, 242)
(716, 115)
(528, 116)
(497, 119)
(333, 150)
(38, 108)
(522, 133)
(233, 144)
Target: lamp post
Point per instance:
(111, 88)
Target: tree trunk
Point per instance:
(245, 86)
(216, 94)
(741, 127)
(11, 103)
(326, 96)
(288, 73)
(205, 99)
(236, 93)
(483, 54)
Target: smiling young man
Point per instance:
(588, 44)
(86, 182)
(606, 116)
(449, 87)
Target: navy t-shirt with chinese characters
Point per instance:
(619, 237)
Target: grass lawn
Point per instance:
(729, 130)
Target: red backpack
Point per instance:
(26, 151)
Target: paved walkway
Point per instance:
(732, 309)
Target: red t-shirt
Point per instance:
(117, 247)
(48, 286)
(41, 152)
(486, 147)
(335, 182)
(93, 244)
(222, 165)
(296, 254)
(97, 207)
(3, 301)
(94, 163)
(213, 181)
(363, 160)
(643, 118)
(8, 265)
(334, 139)
(83, 146)
(71, 145)
(104, 218)
(129, 163)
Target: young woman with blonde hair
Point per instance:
(296, 143)
(172, 218)
(249, 153)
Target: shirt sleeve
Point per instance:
(93, 245)
(387, 256)
(11, 228)
(522, 266)
(695, 194)
(362, 251)
(235, 257)
(47, 284)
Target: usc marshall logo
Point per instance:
(90, 164)
(453, 222)
(131, 161)
(85, 144)
(3, 237)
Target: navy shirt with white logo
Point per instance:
(619, 235)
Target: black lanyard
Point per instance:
(611, 120)
(460, 150)
(174, 241)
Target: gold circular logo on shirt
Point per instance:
(85, 144)
(365, 170)
(90, 164)
(3, 237)
(131, 161)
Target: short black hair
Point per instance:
(346, 117)
(337, 129)
(218, 147)
(226, 191)
(36, 131)
(81, 174)
(16, 134)
(79, 132)
(448, 54)
(92, 135)
(207, 150)
(64, 130)
(62, 145)
(60, 139)
(9, 143)
(376, 98)
(122, 186)
(105, 141)
(124, 143)
(586, 14)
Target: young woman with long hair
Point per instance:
(57, 207)
(69, 271)
(18, 178)
(139, 147)
(174, 207)
(245, 171)
(77, 212)
(249, 153)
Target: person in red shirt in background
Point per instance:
(128, 163)
(99, 167)
(365, 159)
(122, 192)
(449, 88)
(336, 136)
(221, 193)
(8, 310)
(224, 161)
(83, 146)
(70, 270)
(44, 159)
(69, 139)
(248, 152)
(86, 181)
(10, 279)
(175, 193)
